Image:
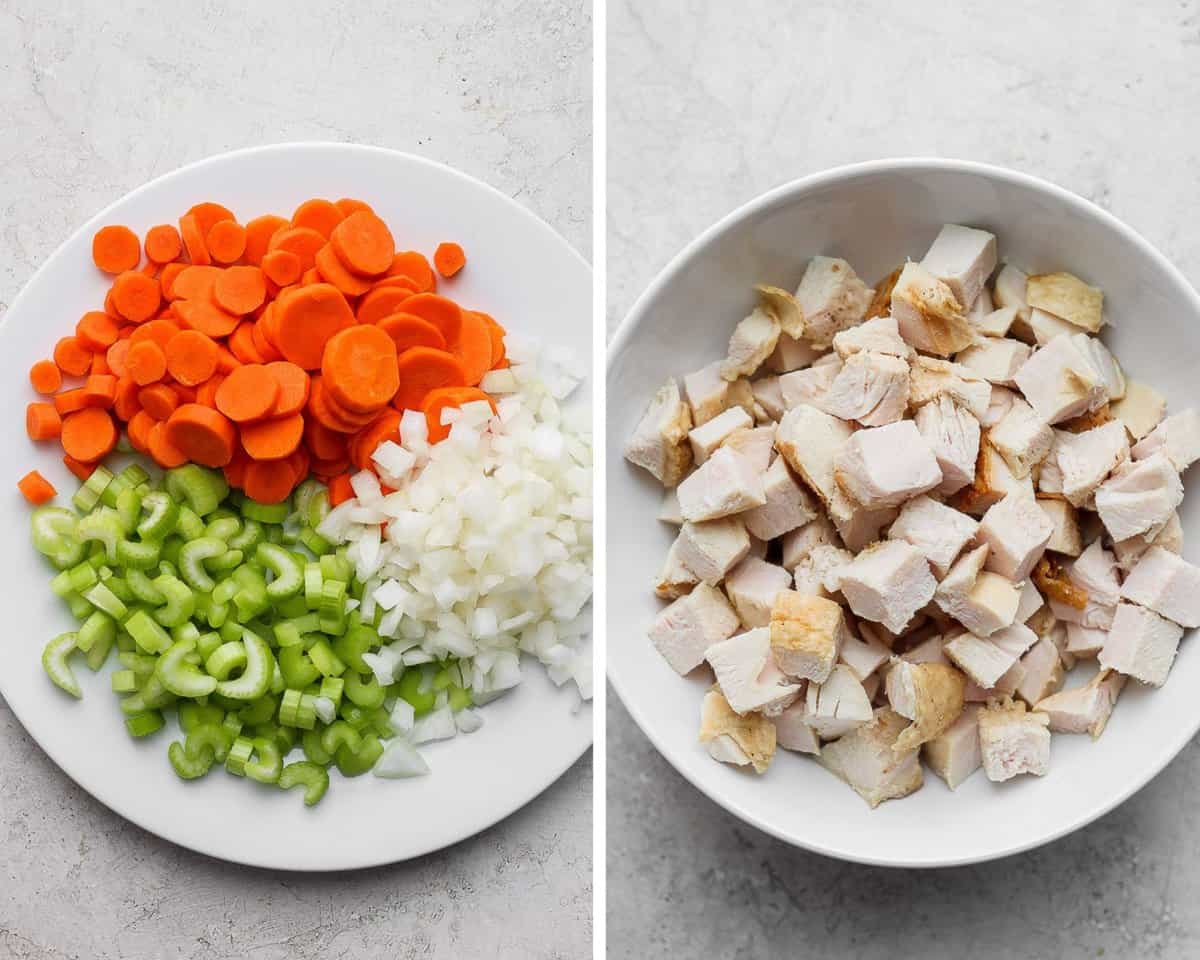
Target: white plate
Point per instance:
(875, 215)
(520, 271)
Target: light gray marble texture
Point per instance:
(97, 98)
(710, 105)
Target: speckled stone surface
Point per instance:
(98, 98)
(710, 105)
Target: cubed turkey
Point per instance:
(831, 297)
(685, 630)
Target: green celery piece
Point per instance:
(96, 628)
(367, 694)
(297, 668)
(200, 488)
(288, 579)
(191, 562)
(272, 513)
(144, 723)
(225, 659)
(189, 767)
(181, 678)
(256, 678)
(312, 776)
(162, 516)
(102, 525)
(179, 602)
(88, 495)
(409, 688)
(54, 532)
(57, 666)
(311, 743)
(340, 734)
(354, 763)
(267, 763)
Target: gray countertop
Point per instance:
(97, 99)
(711, 105)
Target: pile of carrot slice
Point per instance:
(272, 349)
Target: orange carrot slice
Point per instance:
(248, 393)
(422, 369)
(116, 249)
(359, 367)
(202, 434)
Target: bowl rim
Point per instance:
(1169, 747)
(98, 791)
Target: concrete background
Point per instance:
(95, 99)
(710, 105)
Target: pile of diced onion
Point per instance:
(483, 548)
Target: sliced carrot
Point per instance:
(136, 295)
(158, 400)
(206, 393)
(263, 346)
(185, 393)
(36, 489)
(99, 364)
(88, 434)
(384, 427)
(293, 387)
(166, 279)
(413, 265)
(116, 249)
(282, 267)
(381, 302)
(209, 213)
(45, 377)
(226, 361)
(409, 331)
(206, 317)
(319, 215)
(248, 393)
(138, 428)
(359, 367)
(193, 240)
(195, 283)
(125, 401)
(349, 205)
(444, 314)
(334, 271)
(202, 434)
(405, 283)
(111, 308)
(499, 352)
(42, 421)
(235, 469)
(306, 319)
(159, 331)
(146, 362)
(423, 369)
(328, 415)
(163, 243)
(226, 241)
(474, 346)
(304, 242)
(274, 438)
(364, 243)
(240, 289)
(325, 469)
(70, 400)
(340, 489)
(310, 276)
(81, 470)
(160, 446)
(100, 389)
(191, 357)
(449, 259)
(266, 481)
(258, 235)
(439, 399)
(72, 357)
(323, 443)
(96, 330)
(241, 343)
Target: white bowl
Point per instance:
(876, 214)
(523, 273)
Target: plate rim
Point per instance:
(637, 315)
(103, 796)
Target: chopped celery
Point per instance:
(356, 762)
(88, 495)
(367, 694)
(202, 489)
(255, 680)
(144, 723)
(305, 773)
(191, 561)
(288, 571)
(162, 515)
(102, 525)
(55, 536)
(187, 765)
(55, 661)
(99, 627)
(411, 688)
(227, 658)
(181, 678)
(268, 764)
(179, 603)
(266, 512)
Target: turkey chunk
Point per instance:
(707, 393)
(1009, 291)
(996, 323)
(866, 760)
(927, 313)
(832, 298)
(1066, 537)
(756, 444)
(954, 754)
(792, 731)
(1140, 497)
(885, 466)
(725, 484)
(675, 579)
(986, 660)
(752, 341)
(953, 435)
(712, 548)
(981, 601)
(1084, 709)
(1141, 409)
(1177, 437)
(1104, 362)
(1060, 382)
(1041, 672)
(962, 258)
(888, 583)
(807, 634)
(879, 335)
(1166, 584)
(1022, 438)
(1017, 532)
(928, 694)
(659, 444)
(871, 388)
(938, 531)
(1068, 297)
(1013, 741)
(1084, 459)
(809, 385)
(930, 378)
(788, 504)
(683, 631)
(810, 440)
(1141, 644)
(705, 438)
(838, 705)
(800, 543)
(752, 587)
(996, 359)
(732, 738)
(747, 674)
(791, 354)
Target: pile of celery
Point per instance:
(236, 614)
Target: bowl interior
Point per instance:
(876, 215)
